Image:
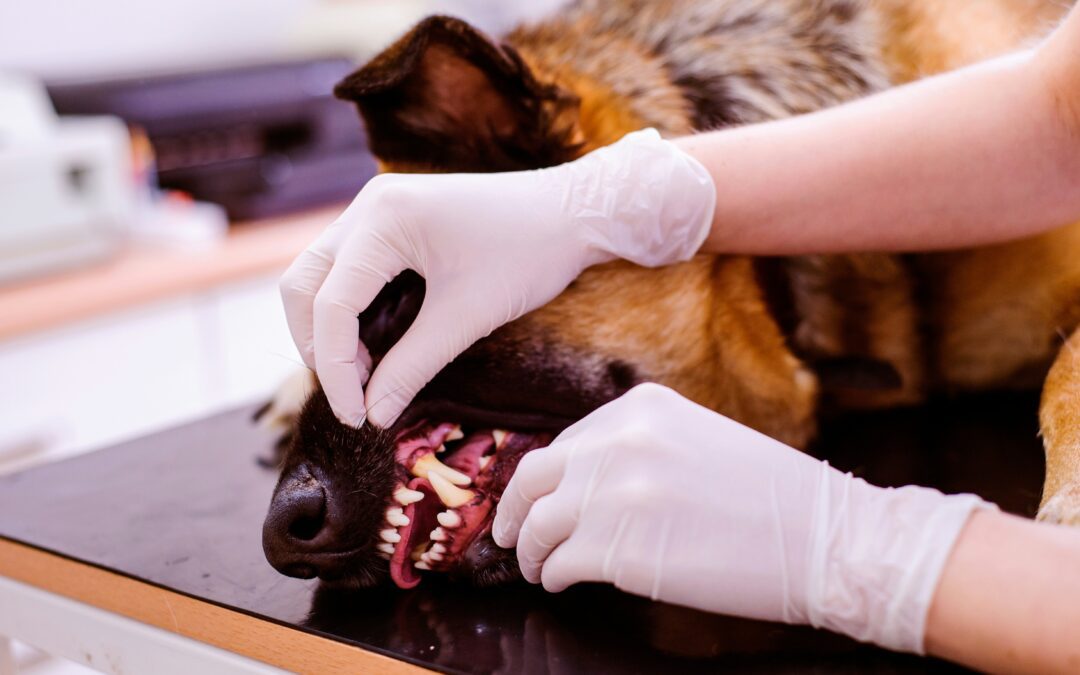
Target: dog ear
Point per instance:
(446, 96)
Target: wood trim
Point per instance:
(281, 646)
(141, 274)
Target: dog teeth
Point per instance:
(397, 519)
(499, 435)
(429, 464)
(384, 547)
(405, 496)
(441, 449)
(449, 519)
(421, 565)
(390, 536)
(432, 555)
(456, 434)
(449, 494)
(484, 461)
(438, 534)
(437, 548)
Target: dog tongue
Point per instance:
(422, 519)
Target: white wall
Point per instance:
(75, 38)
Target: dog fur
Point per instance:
(771, 342)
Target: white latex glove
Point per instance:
(491, 248)
(667, 499)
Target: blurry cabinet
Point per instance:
(94, 383)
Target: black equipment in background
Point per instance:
(259, 140)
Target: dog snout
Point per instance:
(296, 530)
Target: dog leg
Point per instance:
(1059, 418)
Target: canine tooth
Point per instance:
(386, 548)
(438, 534)
(449, 519)
(499, 435)
(429, 463)
(405, 496)
(484, 461)
(421, 565)
(456, 434)
(449, 494)
(397, 519)
(437, 548)
(389, 535)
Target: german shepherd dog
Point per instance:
(770, 342)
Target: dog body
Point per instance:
(771, 342)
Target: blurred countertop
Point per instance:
(143, 274)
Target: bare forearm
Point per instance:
(981, 155)
(1009, 598)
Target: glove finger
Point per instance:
(550, 521)
(436, 337)
(537, 474)
(298, 287)
(350, 286)
(574, 561)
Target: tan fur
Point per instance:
(992, 317)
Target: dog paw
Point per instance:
(1063, 508)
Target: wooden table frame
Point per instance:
(115, 623)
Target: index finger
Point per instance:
(537, 474)
(363, 267)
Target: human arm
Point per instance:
(1009, 598)
(981, 155)
(669, 500)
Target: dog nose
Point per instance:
(296, 525)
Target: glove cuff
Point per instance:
(877, 556)
(642, 199)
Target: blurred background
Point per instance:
(160, 166)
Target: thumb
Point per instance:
(438, 335)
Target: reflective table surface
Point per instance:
(183, 509)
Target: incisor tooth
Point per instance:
(390, 535)
(499, 435)
(449, 494)
(386, 548)
(438, 534)
(449, 519)
(405, 496)
(456, 434)
(421, 565)
(397, 519)
(429, 463)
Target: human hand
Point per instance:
(491, 247)
(664, 498)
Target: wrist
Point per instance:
(877, 555)
(642, 199)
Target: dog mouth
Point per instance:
(449, 482)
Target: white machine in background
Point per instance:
(67, 191)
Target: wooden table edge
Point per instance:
(260, 639)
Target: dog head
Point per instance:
(354, 506)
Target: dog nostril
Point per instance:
(305, 528)
(307, 512)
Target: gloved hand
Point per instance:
(667, 499)
(491, 248)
